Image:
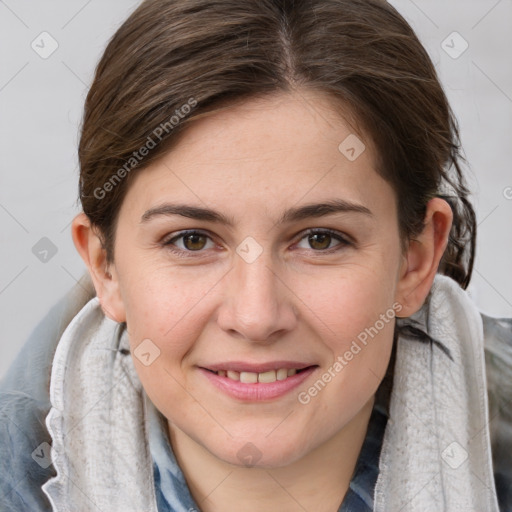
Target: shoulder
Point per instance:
(25, 461)
(498, 361)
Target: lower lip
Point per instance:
(257, 392)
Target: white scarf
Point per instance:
(436, 453)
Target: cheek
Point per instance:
(359, 358)
(345, 304)
(165, 316)
(167, 310)
(355, 316)
(167, 305)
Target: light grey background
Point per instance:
(41, 103)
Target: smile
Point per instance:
(253, 386)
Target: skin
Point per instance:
(300, 299)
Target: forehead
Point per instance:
(272, 151)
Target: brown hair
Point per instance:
(210, 53)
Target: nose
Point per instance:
(257, 305)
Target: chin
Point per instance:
(260, 452)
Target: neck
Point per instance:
(318, 481)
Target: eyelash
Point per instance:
(344, 241)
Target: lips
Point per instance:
(256, 382)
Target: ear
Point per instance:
(103, 274)
(422, 258)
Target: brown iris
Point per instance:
(319, 240)
(194, 241)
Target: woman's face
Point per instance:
(265, 244)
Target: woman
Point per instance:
(278, 237)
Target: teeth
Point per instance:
(248, 377)
(282, 373)
(267, 377)
(263, 377)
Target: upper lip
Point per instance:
(241, 366)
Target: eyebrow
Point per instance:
(291, 215)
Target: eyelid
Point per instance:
(167, 239)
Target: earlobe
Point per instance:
(423, 257)
(103, 275)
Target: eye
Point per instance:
(189, 241)
(323, 240)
